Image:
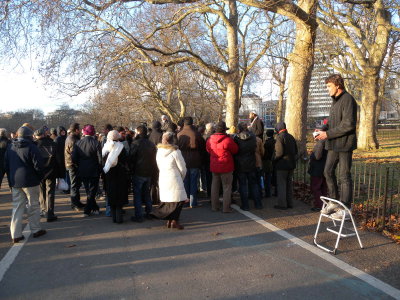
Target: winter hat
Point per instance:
(279, 126)
(24, 132)
(270, 132)
(53, 131)
(113, 135)
(27, 125)
(88, 130)
(40, 132)
(221, 127)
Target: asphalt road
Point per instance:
(216, 256)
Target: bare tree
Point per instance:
(365, 30)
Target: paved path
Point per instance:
(216, 256)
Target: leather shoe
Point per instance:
(39, 233)
(280, 207)
(18, 239)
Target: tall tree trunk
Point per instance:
(301, 63)
(233, 79)
(367, 130)
(282, 83)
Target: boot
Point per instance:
(169, 223)
(175, 224)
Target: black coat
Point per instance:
(142, 157)
(60, 142)
(318, 159)
(156, 136)
(117, 181)
(23, 163)
(269, 151)
(48, 149)
(86, 154)
(342, 124)
(4, 142)
(245, 159)
(285, 151)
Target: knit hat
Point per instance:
(39, 132)
(113, 135)
(280, 126)
(24, 132)
(88, 130)
(221, 127)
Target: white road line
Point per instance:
(380, 285)
(9, 258)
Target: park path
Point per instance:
(216, 256)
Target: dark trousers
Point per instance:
(141, 189)
(47, 195)
(284, 182)
(249, 180)
(76, 183)
(267, 184)
(206, 179)
(318, 189)
(91, 185)
(344, 160)
(2, 173)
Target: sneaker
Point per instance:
(85, 215)
(338, 215)
(330, 208)
(137, 220)
(95, 212)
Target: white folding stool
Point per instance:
(337, 229)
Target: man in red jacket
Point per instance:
(221, 148)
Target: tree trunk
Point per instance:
(301, 62)
(367, 130)
(233, 79)
(279, 110)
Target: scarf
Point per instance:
(252, 123)
(113, 149)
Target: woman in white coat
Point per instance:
(172, 168)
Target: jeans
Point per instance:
(76, 183)
(91, 185)
(344, 159)
(249, 180)
(190, 182)
(141, 190)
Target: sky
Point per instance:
(24, 89)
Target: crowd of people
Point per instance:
(166, 165)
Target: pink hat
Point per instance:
(88, 130)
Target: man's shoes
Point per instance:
(39, 233)
(330, 208)
(18, 239)
(280, 207)
(86, 215)
(137, 219)
(244, 208)
(52, 218)
(338, 215)
(148, 217)
(197, 205)
(95, 212)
